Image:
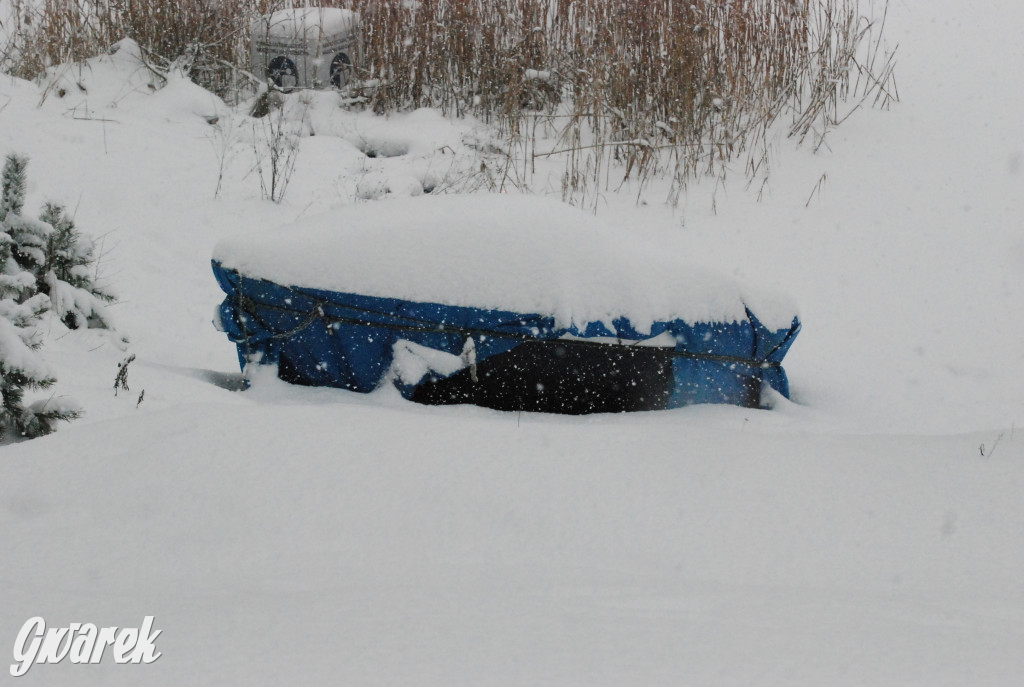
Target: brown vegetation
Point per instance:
(644, 87)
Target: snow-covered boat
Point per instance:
(510, 302)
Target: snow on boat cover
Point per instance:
(511, 302)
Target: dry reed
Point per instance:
(629, 89)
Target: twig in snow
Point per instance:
(121, 381)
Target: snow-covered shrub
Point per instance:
(67, 273)
(21, 368)
(45, 265)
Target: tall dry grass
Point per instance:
(204, 37)
(630, 89)
(633, 89)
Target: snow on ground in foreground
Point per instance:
(286, 535)
(377, 542)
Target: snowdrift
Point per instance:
(510, 302)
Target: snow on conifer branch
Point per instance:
(46, 265)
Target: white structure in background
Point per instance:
(313, 47)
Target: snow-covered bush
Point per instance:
(67, 274)
(45, 265)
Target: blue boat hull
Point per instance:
(520, 361)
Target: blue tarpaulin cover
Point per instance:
(347, 340)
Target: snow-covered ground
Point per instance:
(871, 532)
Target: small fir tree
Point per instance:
(43, 264)
(28, 236)
(67, 273)
(21, 367)
(12, 198)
